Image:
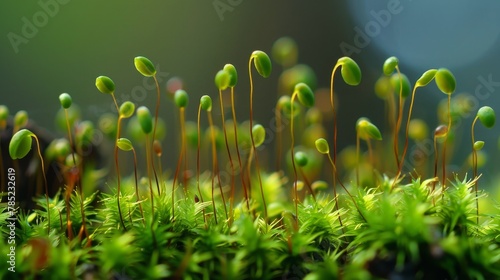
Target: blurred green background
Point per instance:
(50, 46)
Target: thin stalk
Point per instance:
(137, 186)
(118, 173)
(332, 103)
(253, 142)
(308, 183)
(215, 163)
(231, 198)
(154, 129)
(296, 198)
(148, 163)
(184, 150)
(334, 173)
(446, 141)
(436, 156)
(401, 163)
(179, 161)
(474, 166)
(235, 127)
(198, 166)
(45, 181)
(83, 228)
(399, 119)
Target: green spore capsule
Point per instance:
(259, 134)
(127, 109)
(300, 158)
(65, 100)
(396, 84)
(445, 81)
(145, 119)
(20, 144)
(222, 79)
(206, 103)
(351, 73)
(181, 98)
(124, 144)
(426, 78)
(105, 85)
(367, 130)
(478, 145)
(487, 116)
(262, 63)
(322, 146)
(144, 66)
(233, 74)
(305, 94)
(390, 65)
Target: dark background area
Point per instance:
(76, 41)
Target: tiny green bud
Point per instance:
(367, 130)
(259, 134)
(124, 144)
(300, 158)
(65, 100)
(206, 103)
(262, 63)
(181, 98)
(396, 84)
(478, 145)
(350, 71)
(322, 146)
(144, 66)
(426, 78)
(487, 116)
(305, 94)
(21, 118)
(222, 79)
(105, 85)
(127, 109)
(145, 119)
(285, 51)
(20, 144)
(233, 75)
(445, 81)
(389, 65)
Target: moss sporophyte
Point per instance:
(218, 209)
